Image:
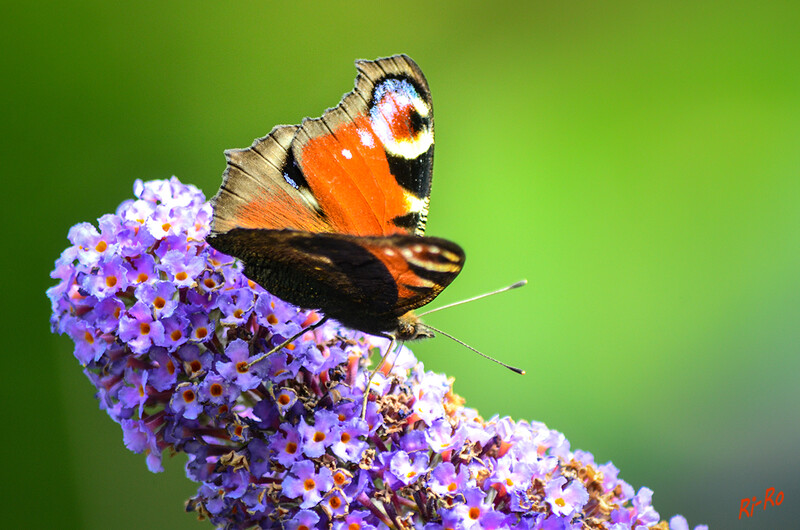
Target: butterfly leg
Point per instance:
(375, 371)
(288, 341)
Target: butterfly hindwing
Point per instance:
(365, 282)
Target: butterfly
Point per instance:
(330, 214)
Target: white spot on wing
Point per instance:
(407, 253)
(366, 138)
(347, 154)
(389, 252)
(415, 204)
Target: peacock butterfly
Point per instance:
(330, 214)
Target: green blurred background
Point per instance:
(637, 162)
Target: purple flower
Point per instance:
(176, 332)
(285, 398)
(406, 470)
(108, 278)
(304, 481)
(646, 514)
(201, 326)
(160, 297)
(141, 269)
(678, 522)
(89, 345)
(446, 481)
(186, 401)
(475, 510)
(237, 371)
(164, 373)
(236, 306)
(304, 520)
(334, 504)
(107, 314)
(166, 327)
(134, 395)
(139, 329)
(321, 435)
(286, 445)
(216, 390)
(347, 444)
(565, 500)
(138, 438)
(92, 245)
(354, 520)
(182, 267)
(195, 361)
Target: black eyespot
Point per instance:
(416, 122)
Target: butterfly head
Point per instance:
(410, 327)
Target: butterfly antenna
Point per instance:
(288, 341)
(501, 363)
(484, 295)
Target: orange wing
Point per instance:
(363, 168)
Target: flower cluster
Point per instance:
(167, 330)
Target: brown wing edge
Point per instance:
(255, 192)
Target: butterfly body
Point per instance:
(330, 214)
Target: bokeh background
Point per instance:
(638, 163)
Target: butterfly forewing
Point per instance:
(369, 160)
